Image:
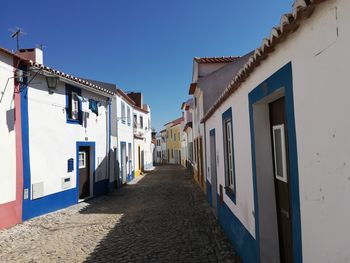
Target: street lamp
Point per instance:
(51, 83)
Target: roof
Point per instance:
(57, 73)
(125, 96)
(9, 52)
(205, 60)
(177, 121)
(289, 23)
(173, 121)
(188, 125)
(187, 104)
(216, 82)
(109, 86)
(140, 109)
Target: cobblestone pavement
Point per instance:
(162, 218)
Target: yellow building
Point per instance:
(173, 140)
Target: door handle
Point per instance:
(284, 212)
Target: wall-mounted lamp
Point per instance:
(19, 76)
(51, 83)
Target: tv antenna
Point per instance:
(16, 33)
(40, 46)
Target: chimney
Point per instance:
(137, 97)
(34, 54)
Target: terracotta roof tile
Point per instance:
(205, 60)
(125, 96)
(69, 77)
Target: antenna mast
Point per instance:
(17, 32)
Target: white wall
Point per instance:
(125, 131)
(7, 131)
(146, 143)
(320, 85)
(52, 141)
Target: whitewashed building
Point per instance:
(65, 137)
(187, 132)
(10, 140)
(124, 136)
(277, 141)
(143, 146)
(201, 68)
(158, 149)
(163, 146)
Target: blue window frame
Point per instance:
(73, 105)
(229, 160)
(123, 112)
(129, 116)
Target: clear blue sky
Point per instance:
(143, 45)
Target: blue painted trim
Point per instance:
(243, 242)
(227, 115)
(69, 90)
(281, 78)
(49, 203)
(26, 209)
(101, 187)
(209, 192)
(109, 146)
(92, 146)
(122, 143)
(212, 132)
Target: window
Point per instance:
(123, 112)
(230, 183)
(174, 136)
(172, 153)
(129, 116)
(135, 121)
(195, 150)
(179, 136)
(279, 150)
(73, 105)
(171, 134)
(141, 122)
(82, 160)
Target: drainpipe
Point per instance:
(108, 142)
(206, 159)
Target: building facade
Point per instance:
(77, 115)
(202, 67)
(173, 140)
(143, 146)
(277, 160)
(10, 140)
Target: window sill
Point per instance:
(71, 121)
(230, 193)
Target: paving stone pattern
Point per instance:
(162, 218)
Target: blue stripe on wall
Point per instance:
(101, 187)
(209, 192)
(242, 241)
(49, 203)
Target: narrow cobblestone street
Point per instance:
(162, 218)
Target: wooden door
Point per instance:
(123, 161)
(84, 172)
(213, 170)
(201, 162)
(281, 178)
